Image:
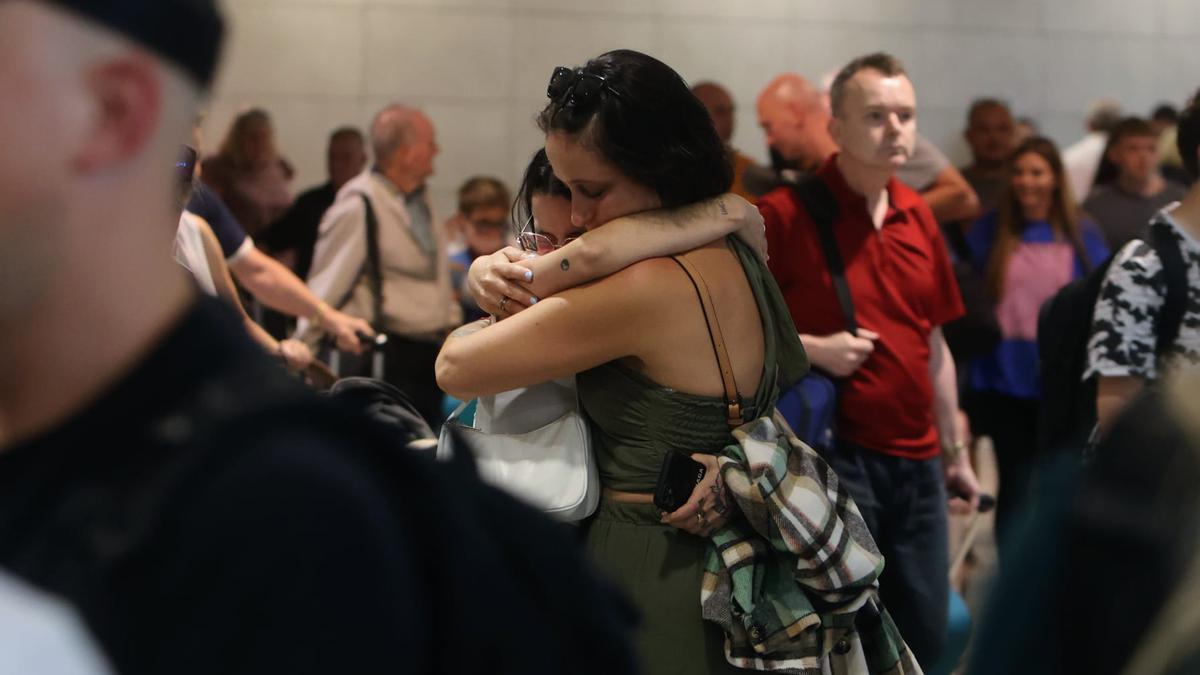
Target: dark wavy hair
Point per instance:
(646, 121)
(539, 179)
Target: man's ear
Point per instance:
(835, 130)
(126, 94)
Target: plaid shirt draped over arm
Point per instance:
(794, 581)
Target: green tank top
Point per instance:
(635, 421)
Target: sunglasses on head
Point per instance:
(537, 242)
(575, 88)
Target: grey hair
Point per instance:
(392, 130)
(1104, 115)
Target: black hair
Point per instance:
(1187, 137)
(347, 132)
(646, 122)
(989, 102)
(539, 179)
(1165, 112)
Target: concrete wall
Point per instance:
(479, 67)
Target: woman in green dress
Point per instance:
(625, 135)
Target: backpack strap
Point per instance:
(821, 205)
(1085, 261)
(733, 400)
(374, 268)
(956, 239)
(1175, 272)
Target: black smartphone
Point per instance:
(676, 481)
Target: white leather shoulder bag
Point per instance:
(533, 443)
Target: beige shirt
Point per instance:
(418, 300)
(1081, 161)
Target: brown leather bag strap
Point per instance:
(733, 399)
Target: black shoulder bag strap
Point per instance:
(1175, 273)
(956, 239)
(374, 268)
(1081, 253)
(822, 208)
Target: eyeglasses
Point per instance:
(539, 243)
(185, 166)
(575, 88)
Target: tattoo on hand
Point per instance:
(565, 265)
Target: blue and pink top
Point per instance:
(1041, 265)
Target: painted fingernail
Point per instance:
(533, 300)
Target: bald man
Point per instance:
(721, 109)
(795, 119)
(413, 300)
(795, 116)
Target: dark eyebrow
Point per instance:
(583, 182)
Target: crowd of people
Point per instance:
(165, 480)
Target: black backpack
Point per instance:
(1067, 415)
(977, 332)
(810, 405)
(391, 408)
(514, 592)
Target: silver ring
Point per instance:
(503, 303)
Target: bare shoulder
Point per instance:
(647, 272)
(653, 276)
(650, 285)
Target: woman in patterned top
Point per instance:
(1031, 246)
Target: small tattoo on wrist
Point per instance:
(565, 265)
(721, 206)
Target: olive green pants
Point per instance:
(659, 568)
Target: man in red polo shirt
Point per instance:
(898, 406)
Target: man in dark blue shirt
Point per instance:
(266, 278)
(203, 512)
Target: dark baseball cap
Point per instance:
(187, 33)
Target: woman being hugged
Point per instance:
(625, 136)
(1035, 243)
